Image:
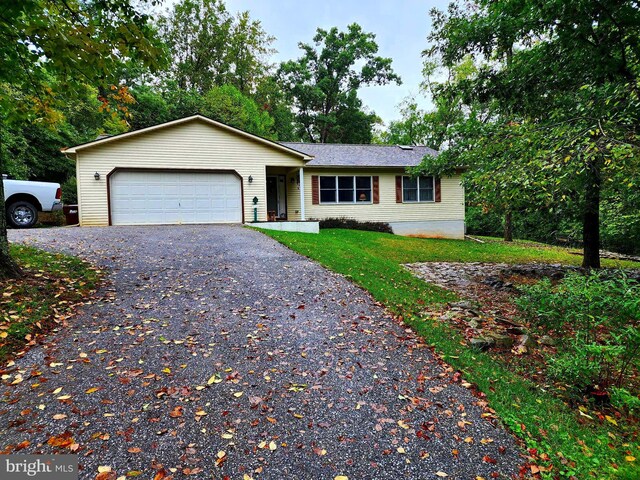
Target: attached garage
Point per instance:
(156, 197)
(188, 171)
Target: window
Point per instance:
(328, 189)
(417, 189)
(345, 189)
(363, 189)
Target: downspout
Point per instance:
(302, 215)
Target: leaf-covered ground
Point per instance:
(562, 442)
(216, 352)
(41, 300)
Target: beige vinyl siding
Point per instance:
(293, 196)
(191, 145)
(450, 208)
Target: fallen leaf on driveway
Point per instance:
(176, 412)
(222, 457)
(160, 474)
(62, 441)
(106, 476)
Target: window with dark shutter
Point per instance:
(345, 189)
(418, 189)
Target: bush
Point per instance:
(622, 399)
(481, 223)
(351, 224)
(540, 225)
(598, 314)
(70, 191)
(583, 302)
(575, 367)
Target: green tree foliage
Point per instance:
(210, 47)
(558, 96)
(271, 97)
(411, 129)
(150, 108)
(51, 46)
(227, 104)
(50, 50)
(417, 126)
(324, 82)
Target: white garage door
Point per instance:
(156, 198)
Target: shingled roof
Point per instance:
(348, 155)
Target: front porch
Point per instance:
(285, 194)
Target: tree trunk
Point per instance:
(508, 226)
(591, 219)
(8, 268)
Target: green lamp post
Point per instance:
(255, 209)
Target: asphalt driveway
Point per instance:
(215, 352)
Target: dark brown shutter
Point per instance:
(398, 189)
(376, 189)
(438, 190)
(315, 190)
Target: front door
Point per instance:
(277, 196)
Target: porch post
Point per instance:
(302, 217)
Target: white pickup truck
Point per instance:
(23, 200)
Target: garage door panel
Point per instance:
(138, 198)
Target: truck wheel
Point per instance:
(22, 215)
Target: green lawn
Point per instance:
(50, 288)
(575, 445)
